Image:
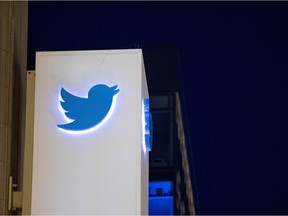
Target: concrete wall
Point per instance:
(13, 49)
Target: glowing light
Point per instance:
(143, 128)
(62, 110)
(106, 118)
(146, 126)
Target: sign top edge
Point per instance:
(90, 52)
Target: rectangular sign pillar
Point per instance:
(91, 133)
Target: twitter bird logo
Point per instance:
(87, 112)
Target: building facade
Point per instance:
(13, 55)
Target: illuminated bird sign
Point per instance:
(89, 112)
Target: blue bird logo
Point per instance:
(87, 112)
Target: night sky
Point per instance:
(228, 60)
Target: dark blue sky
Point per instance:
(232, 66)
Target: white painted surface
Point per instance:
(101, 172)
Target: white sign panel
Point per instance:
(90, 133)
